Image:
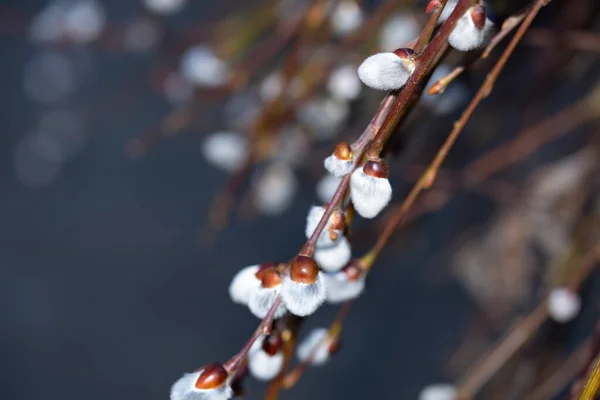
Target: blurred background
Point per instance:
(115, 260)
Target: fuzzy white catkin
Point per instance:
(346, 17)
(385, 71)
(185, 389)
(326, 187)
(164, 7)
(201, 66)
(316, 345)
(340, 289)
(439, 392)
(262, 299)
(338, 167)
(261, 365)
(335, 257)
(369, 194)
(275, 189)
(343, 83)
(563, 305)
(243, 283)
(465, 36)
(84, 21)
(303, 299)
(225, 150)
(312, 221)
(399, 31)
(324, 116)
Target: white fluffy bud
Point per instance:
(185, 389)
(466, 35)
(399, 31)
(275, 190)
(312, 220)
(346, 17)
(563, 305)
(303, 299)
(262, 299)
(341, 288)
(225, 150)
(164, 6)
(386, 71)
(370, 194)
(333, 258)
(343, 83)
(201, 66)
(315, 345)
(83, 21)
(262, 365)
(439, 392)
(243, 283)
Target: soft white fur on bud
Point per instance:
(275, 190)
(312, 220)
(262, 365)
(333, 258)
(346, 17)
(323, 116)
(466, 36)
(369, 194)
(340, 289)
(201, 66)
(399, 31)
(225, 150)
(385, 71)
(343, 83)
(262, 299)
(326, 187)
(315, 345)
(338, 167)
(439, 392)
(563, 305)
(185, 389)
(84, 21)
(303, 299)
(243, 283)
(164, 7)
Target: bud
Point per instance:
(275, 189)
(333, 228)
(263, 297)
(326, 187)
(439, 392)
(346, 17)
(471, 30)
(201, 66)
(563, 305)
(399, 30)
(340, 163)
(344, 285)
(370, 188)
(387, 71)
(245, 281)
(265, 358)
(343, 83)
(164, 7)
(333, 258)
(84, 21)
(317, 346)
(303, 290)
(323, 116)
(207, 383)
(225, 150)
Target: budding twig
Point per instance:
(429, 175)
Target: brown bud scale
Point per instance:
(405, 53)
(478, 16)
(343, 151)
(270, 278)
(272, 343)
(212, 377)
(304, 270)
(377, 169)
